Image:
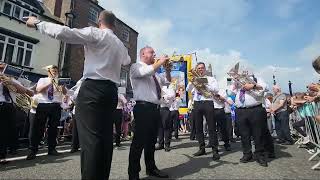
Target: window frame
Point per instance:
(22, 10)
(15, 50)
(125, 30)
(91, 14)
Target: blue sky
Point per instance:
(274, 36)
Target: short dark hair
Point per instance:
(201, 63)
(108, 18)
(316, 64)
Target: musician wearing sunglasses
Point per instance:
(9, 87)
(49, 96)
(252, 119)
(97, 98)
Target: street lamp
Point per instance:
(69, 18)
(66, 48)
(290, 88)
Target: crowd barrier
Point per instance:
(308, 112)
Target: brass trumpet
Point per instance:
(168, 64)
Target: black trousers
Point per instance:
(174, 115)
(205, 108)
(165, 127)
(50, 112)
(282, 126)
(117, 118)
(192, 125)
(253, 122)
(96, 101)
(6, 125)
(147, 118)
(220, 117)
(75, 137)
(297, 126)
(229, 125)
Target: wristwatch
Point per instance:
(254, 86)
(36, 23)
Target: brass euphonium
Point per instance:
(23, 100)
(243, 79)
(201, 86)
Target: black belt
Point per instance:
(206, 101)
(146, 103)
(218, 109)
(252, 107)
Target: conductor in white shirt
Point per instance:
(97, 98)
(146, 85)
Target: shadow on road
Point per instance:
(19, 164)
(194, 165)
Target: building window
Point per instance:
(16, 11)
(125, 35)
(7, 8)
(93, 15)
(15, 51)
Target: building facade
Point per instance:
(25, 47)
(85, 13)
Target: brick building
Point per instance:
(86, 13)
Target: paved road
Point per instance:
(179, 164)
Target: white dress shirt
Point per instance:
(176, 104)
(220, 104)
(43, 96)
(211, 86)
(251, 100)
(168, 96)
(104, 52)
(121, 101)
(143, 84)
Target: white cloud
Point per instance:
(222, 63)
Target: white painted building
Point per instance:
(25, 47)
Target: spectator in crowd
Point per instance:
(280, 111)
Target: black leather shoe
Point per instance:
(13, 152)
(271, 155)
(167, 149)
(53, 152)
(132, 177)
(279, 141)
(157, 173)
(4, 162)
(246, 159)
(227, 147)
(201, 152)
(31, 155)
(159, 147)
(74, 150)
(215, 156)
(262, 162)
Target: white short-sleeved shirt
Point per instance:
(43, 97)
